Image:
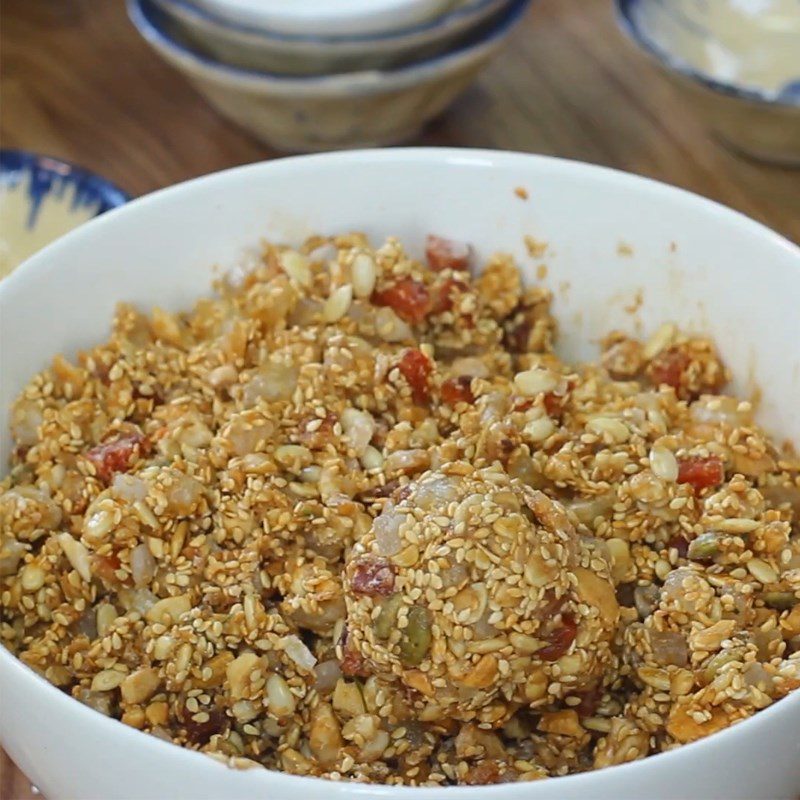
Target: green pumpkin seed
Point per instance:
(704, 547)
(780, 600)
(416, 637)
(387, 618)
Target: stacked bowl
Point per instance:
(327, 74)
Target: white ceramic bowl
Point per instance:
(346, 18)
(697, 263)
(321, 113)
(314, 52)
(739, 61)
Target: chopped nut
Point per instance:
(169, 610)
(140, 685)
(535, 381)
(564, 723)
(761, 571)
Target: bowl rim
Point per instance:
(345, 790)
(140, 12)
(628, 24)
(14, 161)
(448, 18)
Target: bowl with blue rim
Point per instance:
(308, 51)
(738, 61)
(305, 113)
(42, 198)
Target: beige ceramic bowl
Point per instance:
(334, 111)
(260, 48)
(739, 62)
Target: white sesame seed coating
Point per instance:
(352, 517)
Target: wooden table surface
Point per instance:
(77, 82)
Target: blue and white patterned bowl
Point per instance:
(42, 198)
(739, 58)
(259, 48)
(324, 112)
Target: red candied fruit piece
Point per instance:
(701, 472)
(521, 403)
(352, 663)
(444, 253)
(559, 640)
(117, 455)
(484, 774)
(457, 390)
(680, 544)
(443, 297)
(668, 367)
(589, 701)
(415, 367)
(409, 299)
(105, 567)
(201, 732)
(552, 404)
(376, 492)
(372, 575)
(555, 402)
(516, 337)
(551, 605)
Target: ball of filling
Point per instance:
(479, 595)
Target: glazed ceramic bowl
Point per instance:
(303, 49)
(41, 198)
(686, 259)
(738, 61)
(330, 18)
(334, 111)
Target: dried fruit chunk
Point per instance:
(415, 367)
(701, 472)
(118, 455)
(372, 575)
(457, 390)
(409, 299)
(443, 298)
(444, 253)
(559, 640)
(668, 366)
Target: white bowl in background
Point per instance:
(333, 111)
(346, 18)
(739, 61)
(691, 259)
(261, 48)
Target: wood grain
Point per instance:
(77, 82)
